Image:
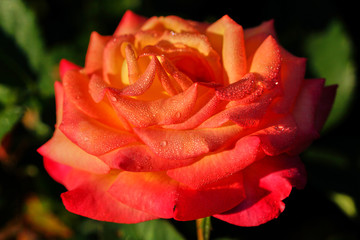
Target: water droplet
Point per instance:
(178, 114)
(78, 97)
(172, 33)
(113, 98)
(279, 128)
(163, 143)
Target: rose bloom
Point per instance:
(172, 118)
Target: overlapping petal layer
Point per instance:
(172, 118)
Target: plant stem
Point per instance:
(203, 226)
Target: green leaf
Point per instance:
(18, 22)
(331, 57)
(7, 96)
(8, 118)
(345, 202)
(155, 229)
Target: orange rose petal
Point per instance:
(266, 61)
(266, 27)
(194, 55)
(113, 60)
(172, 23)
(292, 74)
(247, 85)
(139, 158)
(60, 149)
(91, 199)
(59, 100)
(97, 87)
(256, 35)
(279, 136)
(154, 193)
(129, 24)
(183, 144)
(76, 87)
(245, 115)
(214, 167)
(193, 203)
(65, 66)
(142, 82)
(184, 81)
(132, 63)
(147, 113)
(169, 85)
(199, 26)
(267, 183)
(90, 135)
(200, 64)
(305, 112)
(56, 170)
(227, 37)
(207, 105)
(94, 54)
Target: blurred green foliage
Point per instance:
(331, 57)
(36, 34)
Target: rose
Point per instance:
(172, 118)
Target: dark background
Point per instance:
(332, 162)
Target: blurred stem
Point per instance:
(203, 226)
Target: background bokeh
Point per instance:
(36, 34)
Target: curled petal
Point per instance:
(129, 24)
(154, 192)
(266, 28)
(94, 54)
(306, 111)
(113, 60)
(65, 66)
(214, 167)
(183, 80)
(183, 144)
(221, 196)
(76, 88)
(97, 87)
(247, 85)
(245, 115)
(207, 105)
(91, 199)
(147, 113)
(91, 135)
(292, 74)
(59, 101)
(73, 155)
(267, 183)
(227, 37)
(256, 35)
(193, 55)
(139, 158)
(57, 170)
(173, 23)
(279, 136)
(142, 83)
(267, 61)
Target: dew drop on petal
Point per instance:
(178, 114)
(279, 128)
(163, 143)
(113, 98)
